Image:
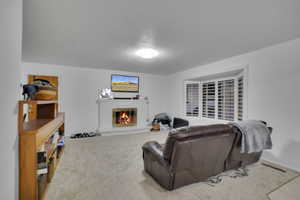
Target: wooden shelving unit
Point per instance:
(43, 122)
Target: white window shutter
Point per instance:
(192, 99)
(226, 100)
(208, 100)
(240, 97)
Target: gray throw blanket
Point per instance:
(255, 136)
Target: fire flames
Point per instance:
(124, 118)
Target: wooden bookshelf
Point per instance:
(43, 122)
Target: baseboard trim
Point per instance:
(280, 165)
(274, 167)
(127, 132)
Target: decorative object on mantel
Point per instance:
(105, 93)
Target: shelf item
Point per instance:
(42, 171)
(51, 151)
(60, 150)
(48, 86)
(42, 167)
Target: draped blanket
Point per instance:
(256, 137)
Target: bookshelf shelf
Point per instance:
(39, 102)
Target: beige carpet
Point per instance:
(288, 191)
(111, 168)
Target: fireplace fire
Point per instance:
(124, 117)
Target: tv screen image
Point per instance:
(121, 83)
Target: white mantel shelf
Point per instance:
(116, 100)
(105, 107)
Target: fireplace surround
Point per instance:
(106, 108)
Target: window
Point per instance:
(220, 98)
(208, 100)
(192, 99)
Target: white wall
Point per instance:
(273, 94)
(78, 91)
(10, 58)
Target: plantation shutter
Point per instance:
(226, 100)
(192, 99)
(240, 97)
(208, 100)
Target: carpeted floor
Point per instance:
(111, 168)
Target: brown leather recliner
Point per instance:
(189, 156)
(195, 154)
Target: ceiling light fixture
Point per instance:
(147, 53)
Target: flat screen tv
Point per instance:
(122, 83)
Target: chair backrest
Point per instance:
(193, 132)
(198, 153)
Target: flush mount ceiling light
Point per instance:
(147, 53)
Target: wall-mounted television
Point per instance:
(123, 83)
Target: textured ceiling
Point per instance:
(103, 34)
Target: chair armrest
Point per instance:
(155, 150)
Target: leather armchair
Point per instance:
(188, 156)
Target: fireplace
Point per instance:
(124, 117)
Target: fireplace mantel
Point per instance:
(106, 106)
